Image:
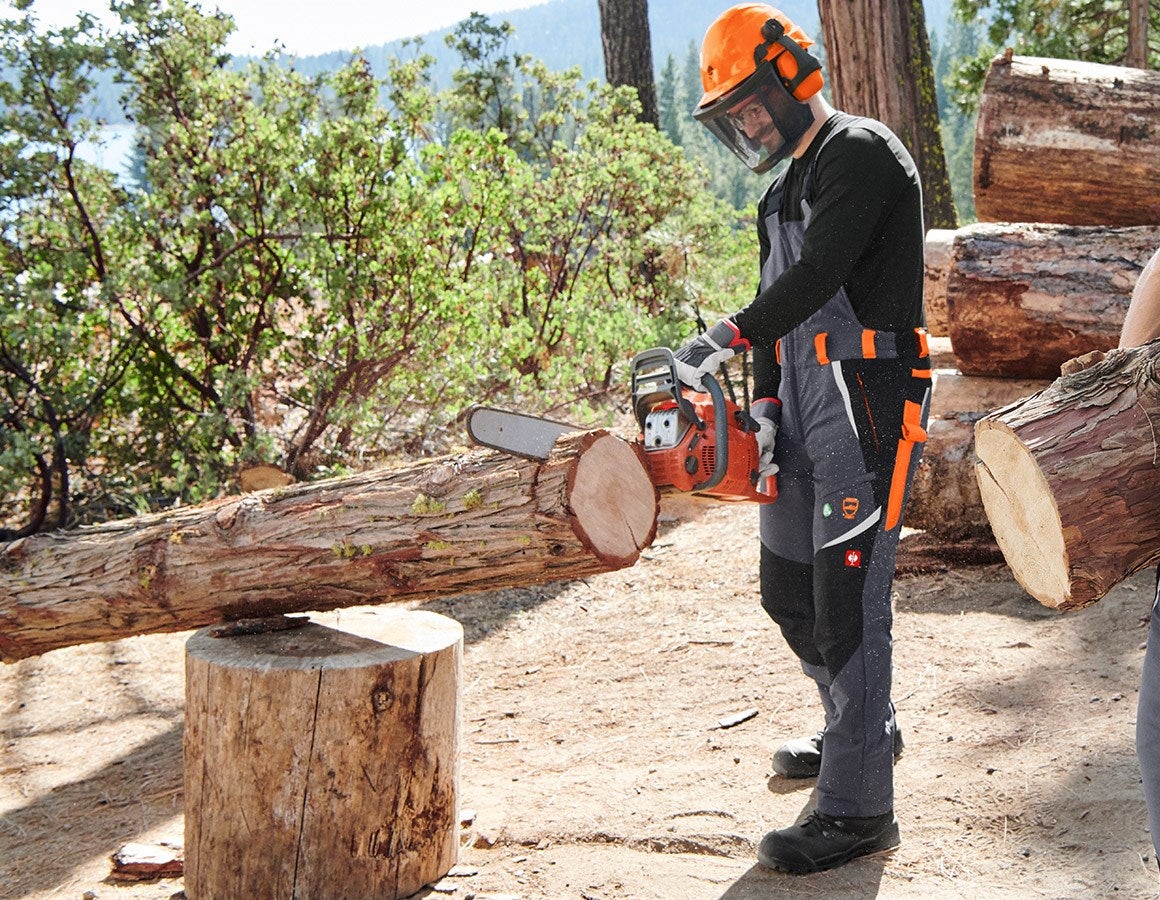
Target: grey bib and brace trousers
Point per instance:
(854, 408)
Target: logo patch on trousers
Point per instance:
(854, 559)
(850, 507)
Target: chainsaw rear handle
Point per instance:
(654, 377)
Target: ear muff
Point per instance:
(799, 70)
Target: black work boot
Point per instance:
(825, 842)
(802, 757)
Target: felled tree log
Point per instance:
(480, 521)
(944, 498)
(323, 763)
(1069, 142)
(1023, 298)
(1068, 479)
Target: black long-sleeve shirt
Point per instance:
(865, 232)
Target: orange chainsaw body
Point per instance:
(700, 442)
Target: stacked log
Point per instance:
(1067, 185)
(1068, 477)
(1068, 142)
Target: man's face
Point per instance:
(752, 119)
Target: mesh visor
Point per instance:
(758, 120)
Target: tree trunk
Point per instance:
(944, 499)
(322, 763)
(1137, 56)
(480, 521)
(1068, 479)
(878, 64)
(624, 33)
(1069, 142)
(1022, 299)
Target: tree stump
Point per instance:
(453, 525)
(1068, 479)
(1070, 142)
(322, 763)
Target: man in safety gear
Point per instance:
(837, 335)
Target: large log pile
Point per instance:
(1019, 299)
(476, 522)
(1066, 475)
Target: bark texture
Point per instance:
(624, 33)
(944, 499)
(1068, 142)
(322, 763)
(1023, 298)
(480, 521)
(1068, 479)
(878, 65)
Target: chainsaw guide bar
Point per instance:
(529, 437)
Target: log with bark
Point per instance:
(1068, 478)
(1069, 142)
(458, 524)
(1024, 298)
(944, 498)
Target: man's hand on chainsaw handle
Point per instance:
(704, 355)
(767, 414)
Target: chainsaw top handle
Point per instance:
(654, 378)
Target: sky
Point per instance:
(306, 27)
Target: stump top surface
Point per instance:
(359, 638)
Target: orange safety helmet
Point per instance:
(727, 52)
(757, 76)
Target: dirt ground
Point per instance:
(592, 766)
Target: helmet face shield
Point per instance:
(758, 120)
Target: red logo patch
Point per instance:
(854, 559)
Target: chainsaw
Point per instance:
(691, 441)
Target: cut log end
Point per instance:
(614, 503)
(1023, 514)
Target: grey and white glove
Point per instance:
(704, 355)
(767, 414)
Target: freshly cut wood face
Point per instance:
(614, 501)
(1068, 478)
(1023, 515)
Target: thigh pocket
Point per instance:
(844, 514)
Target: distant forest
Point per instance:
(566, 33)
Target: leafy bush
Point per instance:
(315, 272)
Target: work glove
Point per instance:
(704, 355)
(767, 414)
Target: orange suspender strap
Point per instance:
(912, 433)
(868, 351)
(820, 347)
(777, 351)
